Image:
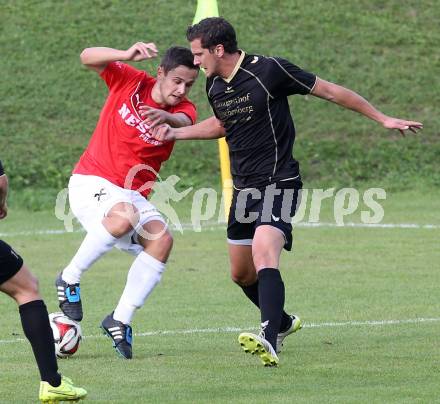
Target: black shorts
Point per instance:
(10, 262)
(274, 205)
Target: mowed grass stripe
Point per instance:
(370, 323)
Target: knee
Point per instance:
(166, 242)
(121, 221)
(159, 248)
(243, 278)
(264, 259)
(34, 285)
(27, 292)
(123, 226)
(238, 279)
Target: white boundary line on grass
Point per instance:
(370, 323)
(215, 226)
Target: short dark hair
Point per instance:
(177, 56)
(214, 31)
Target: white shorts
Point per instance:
(91, 198)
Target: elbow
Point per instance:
(328, 96)
(84, 56)
(331, 97)
(185, 122)
(219, 134)
(219, 131)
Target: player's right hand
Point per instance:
(163, 133)
(141, 51)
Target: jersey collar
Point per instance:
(237, 66)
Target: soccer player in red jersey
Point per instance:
(110, 183)
(249, 97)
(18, 282)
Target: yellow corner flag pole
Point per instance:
(205, 8)
(209, 8)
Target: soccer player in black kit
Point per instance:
(17, 281)
(248, 94)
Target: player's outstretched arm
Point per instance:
(210, 128)
(97, 58)
(155, 117)
(351, 100)
(3, 196)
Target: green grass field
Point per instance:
(362, 292)
(369, 297)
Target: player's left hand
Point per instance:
(153, 116)
(402, 125)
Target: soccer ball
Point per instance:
(66, 334)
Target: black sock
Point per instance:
(251, 291)
(36, 327)
(271, 297)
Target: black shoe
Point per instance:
(69, 299)
(120, 333)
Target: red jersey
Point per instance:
(121, 149)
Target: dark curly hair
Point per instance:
(214, 31)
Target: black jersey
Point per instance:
(252, 104)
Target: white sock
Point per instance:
(144, 274)
(96, 243)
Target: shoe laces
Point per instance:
(262, 333)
